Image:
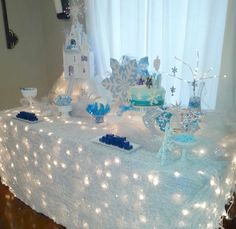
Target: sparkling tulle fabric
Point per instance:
(54, 167)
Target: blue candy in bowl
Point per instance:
(98, 111)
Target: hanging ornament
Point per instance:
(172, 89)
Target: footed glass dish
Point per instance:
(98, 111)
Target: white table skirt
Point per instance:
(55, 168)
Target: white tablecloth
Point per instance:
(54, 167)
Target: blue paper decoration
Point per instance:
(98, 111)
(115, 140)
(163, 119)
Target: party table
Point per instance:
(55, 167)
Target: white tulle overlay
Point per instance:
(55, 168)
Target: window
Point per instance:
(165, 28)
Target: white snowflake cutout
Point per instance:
(121, 78)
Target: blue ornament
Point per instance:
(163, 119)
(98, 112)
(174, 70)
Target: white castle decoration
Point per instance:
(77, 57)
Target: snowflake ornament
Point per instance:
(153, 97)
(190, 121)
(172, 89)
(122, 77)
(174, 70)
(163, 119)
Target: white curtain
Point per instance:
(166, 28)
(226, 98)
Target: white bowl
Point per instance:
(29, 92)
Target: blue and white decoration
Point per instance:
(190, 121)
(184, 138)
(123, 75)
(98, 111)
(163, 119)
(142, 68)
(63, 100)
(167, 145)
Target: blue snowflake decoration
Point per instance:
(190, 121)
(174, 70)
(172, 89)
(163, 119)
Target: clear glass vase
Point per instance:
(195, 95)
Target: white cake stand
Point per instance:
(184, 146)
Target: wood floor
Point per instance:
(14, 214)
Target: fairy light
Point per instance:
(177, 174)
(98, 210)
(217, 191)
(142, 219)
(85, 225)
(200, 172)
(135, 176)
(63, 165)
(86, 181)
(108, 174)
(117, 160)
(177, 198)
(99, 172)
(212, 181)
(185, 212)
(104, 186)
(107, 163)
(141, 196)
